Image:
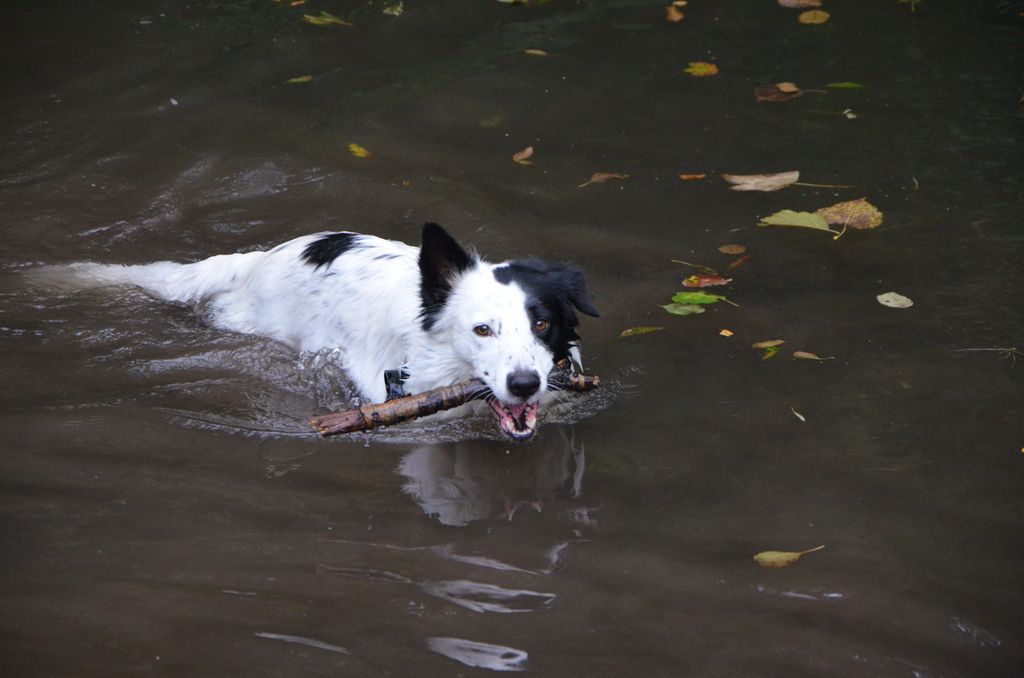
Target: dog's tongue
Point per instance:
(517, 420)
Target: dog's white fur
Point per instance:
(367, 303)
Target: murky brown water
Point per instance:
(163, 506)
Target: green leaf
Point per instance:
(846, 84)
(799, 219)
(697, 298)
(683, 309)
(637, 331)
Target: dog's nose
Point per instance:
(523, 383)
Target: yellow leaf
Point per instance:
(522, 157)
(637, 331)
(701, 69)
(536, 52)
(782, 558)
(299, 80)
(726, 333)
(602, 177)
(859, 214)
(395, 10)
(324, 19)
(769, 343)
(358, 151)
(814, 16)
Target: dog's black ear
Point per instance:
(441, 260)
(571, 281)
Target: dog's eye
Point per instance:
(541, 325)
(482, 330)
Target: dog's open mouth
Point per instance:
(519, 421)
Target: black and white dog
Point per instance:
(438, 313)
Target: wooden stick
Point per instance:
(402, 409)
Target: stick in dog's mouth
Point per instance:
(518, 421)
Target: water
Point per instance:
(165, 509)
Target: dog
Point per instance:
(435, 315)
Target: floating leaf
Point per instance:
(814, 16)
(798, 415)
(739, 261)
(691, 177)
(637, 331)
(805, 355)
(726, 333)
(536, 52)
(706, 281)
(324, 19)
(396, 9)
(798, 219)
(894, 300)
(769, 352)
(782, 558)
(672, 14)
(761, 182)
(845, 84)
(358, 151)
(858, 214)
(683, 309)
(768, 343)
(800, 4)
(697, 298)
(780, 91)
(602, 177)
(298, 80)
(701, 69)
(732, 249)
(522, 157)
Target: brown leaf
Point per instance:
(780, 91)
(859, 214)
(673, 15)
(732, 249)
(807, 355)
(602, 177)
(522, 157)
(739, 261)
(691, 177)
(814, 16)
(800, 4)
(761, 182)
(536, 52)
(726, 333)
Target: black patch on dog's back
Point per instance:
(553, 291)
(322, 251)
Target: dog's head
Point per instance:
(509, 323)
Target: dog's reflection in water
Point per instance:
(458, 483)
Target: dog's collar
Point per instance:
(394, 381)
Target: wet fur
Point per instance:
(385, 305)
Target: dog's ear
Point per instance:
(441, 260)
(572, 284)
